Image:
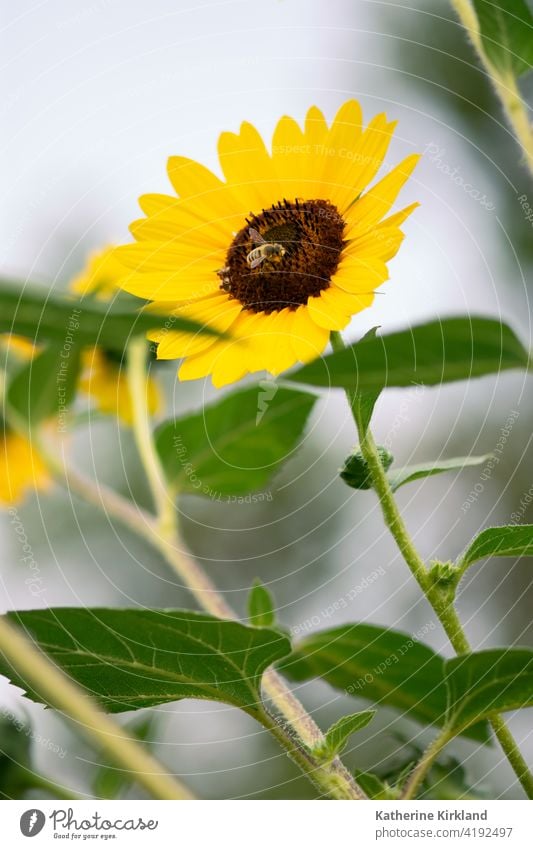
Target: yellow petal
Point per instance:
(248, 168)
(361, 163)
(308, 339)
(171, 286)
(218, 313)
(210, 198)
(268, 340)
(153, 204)
(345, 130)
(362, 301)
(380, 243)
(316, 128)
(398, 218)
(280, 353)
(347, 302)
(289, 157)
(356, 274)
(326, 313)
(200, 365)
(229, 365)
(169, 256)
(190, 178)
(183, 223)
(375, 204)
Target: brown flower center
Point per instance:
(284, 255)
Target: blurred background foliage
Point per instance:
(98, 97)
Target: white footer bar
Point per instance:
(264, 825)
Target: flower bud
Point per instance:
(356, 472)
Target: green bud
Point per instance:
(443, 573)
(356, 472)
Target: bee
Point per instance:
(269, 251)
(224, 274)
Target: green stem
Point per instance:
(505, 85)
(57, 689)
(138, 387)
(333, 779)
(442, 605)
(424, 764)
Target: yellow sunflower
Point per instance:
(22, 347)
(281, 252)
(21, 467)
(99, 275)
(103, 376)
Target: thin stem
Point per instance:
(137, 383)
(425, 763)
(332, 779)
(505, 84)
(442, 605)
(58, 690)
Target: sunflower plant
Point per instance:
(250, 278)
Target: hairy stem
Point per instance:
(443, 607)
(505, 85)
(58, 690)
(424, 764)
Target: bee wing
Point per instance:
(255, 262)
(256, 237)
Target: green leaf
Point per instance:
(261, 610)
(364, 402)
(42, 317)
(45, 386)
(483, 683)
(337, 736)
(15, 756)
(234, 446)
(505, 541)
(388, 668)
(506, 30)
(432, 353)
(408, 474)
(374, 786)
(131, 659)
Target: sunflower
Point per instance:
(22, 347)
(281, 252)
(21, 467)
(103, 376)
(99, 276)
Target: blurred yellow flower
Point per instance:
(99, 276)
(23, 348)
(103, 376)
(21, 467)
(279, 254)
